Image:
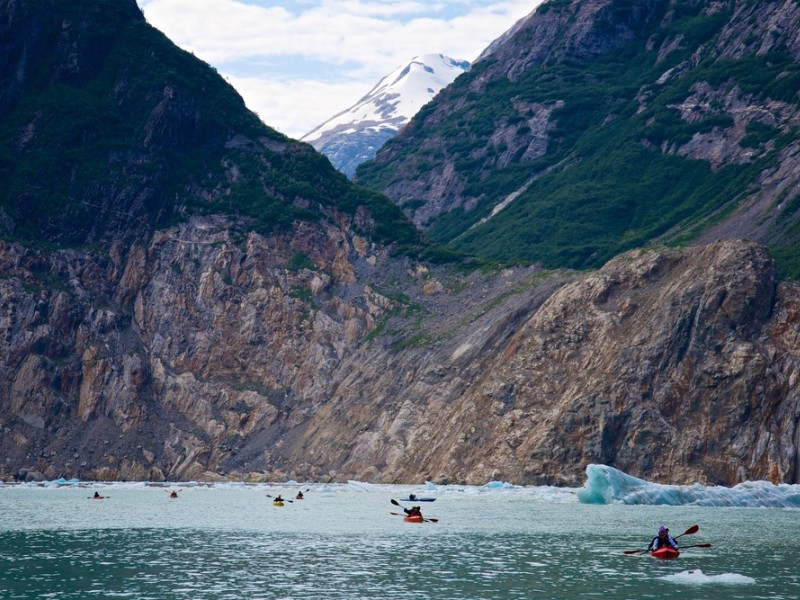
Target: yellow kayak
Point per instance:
(277, 503)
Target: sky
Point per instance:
(297, 63)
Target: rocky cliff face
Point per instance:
(201, 357)
(676, 366)
(172, 360)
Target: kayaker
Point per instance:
(278, 498)
(663, 539)
(299, 495)
(414, 511)
(173, 494)
(412, 496)
(97, 495)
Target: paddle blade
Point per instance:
(433, 520)
(395, 502)
(691, 530)
(635, 551)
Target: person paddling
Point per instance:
(174, 494)
(663, 539)
(299, 496)
(97, 496)
(414, 511)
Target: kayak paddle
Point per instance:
(396, 503)
(690, 531)
(268, 496)
(697, 546)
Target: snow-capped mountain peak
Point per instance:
(355, 134)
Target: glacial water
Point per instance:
(227, 541)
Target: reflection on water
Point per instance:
(343, 543)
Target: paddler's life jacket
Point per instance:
(658, 543)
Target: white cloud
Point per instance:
(291, 105)
(298, 62)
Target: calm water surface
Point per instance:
(229, 542)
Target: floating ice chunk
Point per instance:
(494, 485)
(697, 577)
(606, 485)
(361, 486)
(63, 481)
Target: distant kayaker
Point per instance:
(174, 494)
(98, 496)
(663, 539)
(412, 496)
(414, 511)
(278, 498)
(299, 495)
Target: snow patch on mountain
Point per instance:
(357, 133)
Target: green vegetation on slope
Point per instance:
(148, 134)
(610, 179)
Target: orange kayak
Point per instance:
(413, 519)
(665, 552)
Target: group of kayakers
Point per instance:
(662, 541)
(278, 500)
(174, 494)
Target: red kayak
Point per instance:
(665, 552)
(413, 519)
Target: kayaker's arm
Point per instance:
(673, 543)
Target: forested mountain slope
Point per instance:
(605, 125)
(109, 130)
